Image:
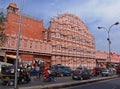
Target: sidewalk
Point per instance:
(68, 84)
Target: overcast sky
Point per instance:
(93, 13)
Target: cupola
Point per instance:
(12, 8)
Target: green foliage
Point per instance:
(2, 18)
(3, 36)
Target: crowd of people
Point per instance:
(41, 72)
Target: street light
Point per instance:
(18, 45)
(108, 39)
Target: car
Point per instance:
(106, 72)
(67, 71)
(61, 70)
(56, 72)
(81, 73)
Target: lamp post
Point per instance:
(108, 39)
(18, 45)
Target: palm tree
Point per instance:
(3, 36)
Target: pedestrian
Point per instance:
(40, 72)
(37, 71)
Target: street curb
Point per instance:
(68, 84)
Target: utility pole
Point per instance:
(18, 45)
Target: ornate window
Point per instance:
(76, 29)
(58, 47)
(57, 35)
(13, 42)
(25, 43)
(70, 37)
(30, 44)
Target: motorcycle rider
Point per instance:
(48, 74)
(45, 73)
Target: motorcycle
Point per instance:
(48, 78)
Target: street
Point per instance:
(107, 84)
(36, 82)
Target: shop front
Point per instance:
(2, 54)
(42, 61)
(11, 58)
(26, 60)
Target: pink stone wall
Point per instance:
(27, 44)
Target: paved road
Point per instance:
(36, 81)
(107, 84)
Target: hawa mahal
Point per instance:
(66, 41)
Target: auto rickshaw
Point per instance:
(8, 75)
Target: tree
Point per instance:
(3, 36)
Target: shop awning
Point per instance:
(12, 56)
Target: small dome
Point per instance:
(12, 4)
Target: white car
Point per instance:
(107, 72)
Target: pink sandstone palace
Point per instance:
(66, 41)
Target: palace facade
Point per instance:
(72, 43)
(66, 41)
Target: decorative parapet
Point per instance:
(101, 55)
(115, 58)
